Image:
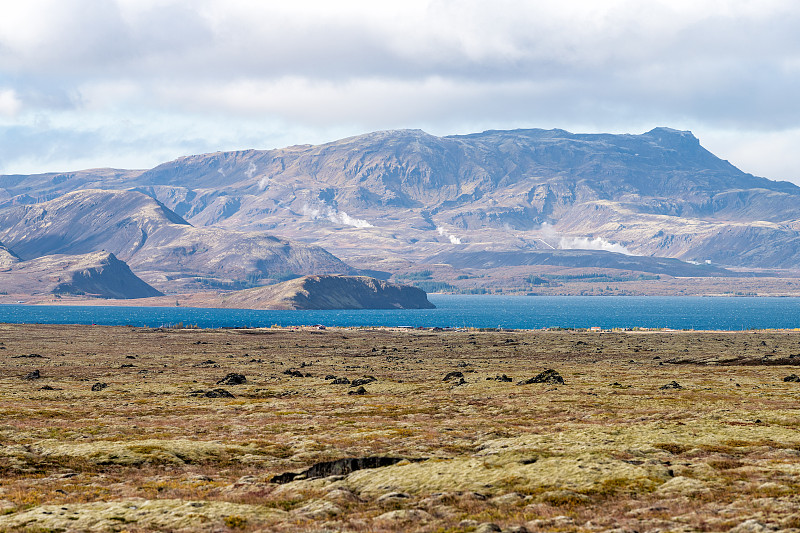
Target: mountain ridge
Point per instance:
(164, 249)
(403, 195)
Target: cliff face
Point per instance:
(331, 292)
(98, 274)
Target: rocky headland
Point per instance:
(330, 292)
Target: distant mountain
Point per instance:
(391, 196)
(98, 274)
(159, 245)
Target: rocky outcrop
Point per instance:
(98, 274)
(330, 292)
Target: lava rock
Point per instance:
(548, 376)
(671, 385)
(453, 375)
(294, 373)
(219, 393)
(30, 376)
(358, 391)
(233, 379)
(339, 467)
(792, 378)
(362, 381)
(99, 386)
(341, 381)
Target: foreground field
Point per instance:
(128, 429)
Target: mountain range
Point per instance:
(390, 200)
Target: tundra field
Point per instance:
(135, 429)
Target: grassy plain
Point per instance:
(608, 450)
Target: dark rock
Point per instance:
(219, 393)
(340, 467)
(341, 381)
(360, 390)
(362, 381)
(130, 357)
(127, 366)
(99, 386)
(214, 393)
(233, 379)
(28, 356)
(503, 378)
(671, 385)
(453, 375)
(792, 378)
(548, 376)
(330, 376)
(294, 373)
(462, 364)
(30, 376)
(48, 387)
(391, 498)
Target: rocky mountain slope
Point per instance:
(330, 292)
(160, 246)
(97, 274)
(390, 196)
(579, 259)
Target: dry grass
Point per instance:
(608, 449)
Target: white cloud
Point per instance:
(452, 238)
(327, 212)
(10, 105)
(206, 73)
(585, 243)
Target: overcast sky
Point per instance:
(133, 83)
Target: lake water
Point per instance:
(518, 312)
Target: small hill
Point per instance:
(330, 292)
(98, 274)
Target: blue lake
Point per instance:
(518, 312)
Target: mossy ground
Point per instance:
(609, 449)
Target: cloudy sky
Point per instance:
(132, 83)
